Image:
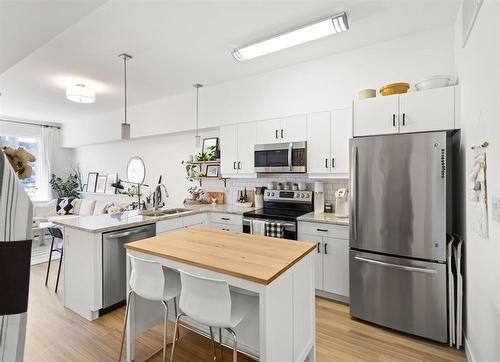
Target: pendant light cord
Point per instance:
(125, 84)
(197, 86)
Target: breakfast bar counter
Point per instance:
(279, 272)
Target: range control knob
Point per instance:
(302, 195)
(268, 193)
(297, 195)
(307, 196)
(272, 193)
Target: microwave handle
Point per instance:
(290, 150)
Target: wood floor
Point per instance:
(57, 334)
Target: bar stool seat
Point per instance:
(150, 280)
(212, 303)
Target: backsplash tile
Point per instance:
(233, 185)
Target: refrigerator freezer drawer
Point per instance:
(403, 294)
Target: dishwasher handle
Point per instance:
(123, 234)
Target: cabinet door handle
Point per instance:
(224, 218)
(239, 165)
(333, 162)
(326, 252)
(326, 162)
(404, 119)
(276, 134)
(318, 245)
(234, 165)
(282, 134)
(323, 230)
(393, 120)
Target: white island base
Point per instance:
(281, 329)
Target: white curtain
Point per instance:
(44, 167)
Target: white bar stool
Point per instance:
(149, 280)
(210, 302)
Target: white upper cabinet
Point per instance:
(229, 150)
(268, 131)
(237, 149)
(288, 129)
(341, 132)
(423, 111)
(430, 110)
(293, 129)
(328, 136)
(376, 116)
(247, 137)
(318, 143)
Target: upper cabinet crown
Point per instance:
(288, 129)
(430, 110)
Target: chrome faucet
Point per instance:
(158, 195)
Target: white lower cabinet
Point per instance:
(228, 222)
(331, 256)
(164, 226)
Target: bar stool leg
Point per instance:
(176, 328)
(235, 344)
(125, 325)
(213, 342)
(59, 269)
(220, 344)
(175, 311)
(165, 331)
(50, 259)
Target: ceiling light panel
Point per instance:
(302, 35)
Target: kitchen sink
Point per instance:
(165, 212)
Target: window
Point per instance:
(31, 144)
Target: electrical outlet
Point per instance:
(495, 209)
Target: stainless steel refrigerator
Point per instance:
(400, 214)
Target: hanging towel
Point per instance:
(258, 227)
(274, 229)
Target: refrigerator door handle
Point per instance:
(354, 192)
(396, 266)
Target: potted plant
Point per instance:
(65, 187)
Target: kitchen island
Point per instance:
(279, 272)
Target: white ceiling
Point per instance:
(174, 44)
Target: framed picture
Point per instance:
(212, 171)
(111, 179)
(91, 181)
(101, 184)
(210, 142)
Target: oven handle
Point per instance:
(290, 150)
(282, 224)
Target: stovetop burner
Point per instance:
(283, 205)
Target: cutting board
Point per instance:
(218, 196)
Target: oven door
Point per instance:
(290, 231)
(281, 157)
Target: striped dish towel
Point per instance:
(275, 229)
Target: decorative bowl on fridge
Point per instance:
(437, 81)
(394, 88)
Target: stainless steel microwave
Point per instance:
(288, 157)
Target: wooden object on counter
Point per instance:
(218, 196)
(256, 258)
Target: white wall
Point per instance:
(162, 155)
(323, 84)
(478, 68)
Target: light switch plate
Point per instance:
(495, 209)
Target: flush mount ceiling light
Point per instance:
(80, 93)
(332, 25)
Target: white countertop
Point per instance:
(106, 222)
(324, 218)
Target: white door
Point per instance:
(229, 150)
(318, 143)
(336, 266)
(293, 129)
(318, 258)
(376, 116)
(430, 110)
(341, 126)
(268, 131)
(247, 137)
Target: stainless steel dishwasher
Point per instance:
(114, 278)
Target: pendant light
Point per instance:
(125, 125)
(197, 137)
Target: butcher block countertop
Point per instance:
(256, 258)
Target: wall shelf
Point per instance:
(213, 162)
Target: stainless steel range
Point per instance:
(284, 207)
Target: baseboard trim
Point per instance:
(468, 351)
(328, 295)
